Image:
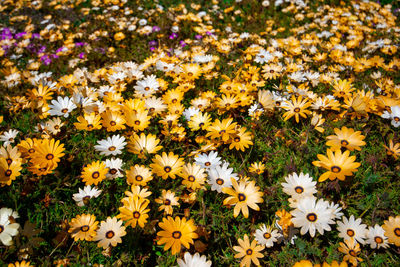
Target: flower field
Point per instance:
(209, 133)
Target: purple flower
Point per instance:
(41, 49)
(80, 43)
(82, 55)
(153, 43)
(156, 29)
(182, 43)
(173, 36)
(35, 35)
(209, 33)
(54, 56)
(198, 36)
(152, 49)
(19, 35)
(46, 60)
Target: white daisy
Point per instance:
(155, 105)
(220, 177)
(148, 86)
(189, 112)
(208, 161)
(336, 210)
(9, 137)
(7, 228)
(194, 261)
(312, 215)
(61, 106)
(111, 146)
(85, 194)
(263, 57)
(376, 237)
(114, 166)
(110, 233)
(266, 236)
(299, 186)
(394, 115)
(351, 228)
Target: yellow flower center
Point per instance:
(267, 235)
(1, 228)
(152, 109)
(113, 171)
(85, 228)
(49, 156)
(167, 169)
(137, 122)
(113, 123)
(220, 181)
(147, 88)
(312, 217)
(296, 110)
(95, 175)
(249, 251)
(176, 234)
(299, 189)
(9, 161)
(8, 173)
(90, 126)
(396, 119)
(64, 110)
(336, 169)
(236, 139)
(191, 178)
(350, 232)
(378, 239)
(31, 150)
(110, 234)
(207, 164)
(167, 202)
(397, 231)
(241, 197)
(136, 215)
(112, 148)
(139, 178)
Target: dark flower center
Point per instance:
(350, 232)
(249, 251)
(220, 181)
(236, 139)
(136, 214)
(312, 217)
(267, 235)
(85, 228)
(167, 202)
(137, 122)
(8, 173)
(31, 150)
(378, 239)
(176, 234)
(167, 169)
(64, 110)
(299, 189)
(191, 178)
(112, 148)
(344, 143)
(352, 253)
(95, 175)
(139, 178)
(113, 123)
(49, 156)
(113, 171)
(336, 169)
(110, 234)
(241, 197)
(397, 231)
(1, 228)
(296, 110)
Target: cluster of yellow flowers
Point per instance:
(164, 129)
